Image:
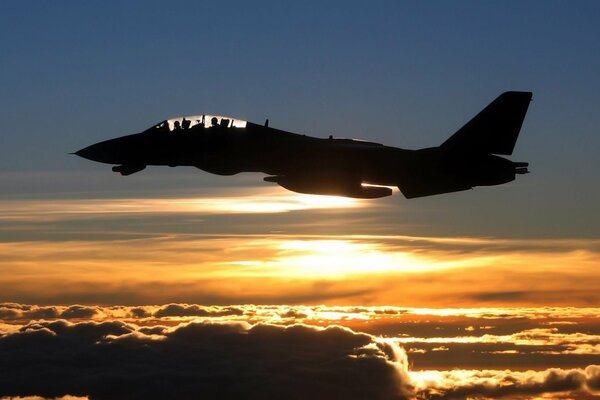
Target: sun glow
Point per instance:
(342, 257)
(337, 258)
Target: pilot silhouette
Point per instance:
(185, 124)
(214, 121)
(176, 126)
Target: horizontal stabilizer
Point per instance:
(495, 129)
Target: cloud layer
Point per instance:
(296, 269)
(273, 351)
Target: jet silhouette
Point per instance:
(342, 167)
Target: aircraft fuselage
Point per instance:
(307, 164)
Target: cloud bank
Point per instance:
(117, 360)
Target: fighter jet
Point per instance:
(329, 166)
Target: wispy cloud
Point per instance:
(242, 201)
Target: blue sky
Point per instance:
(405, 74)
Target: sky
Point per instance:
(90, 258)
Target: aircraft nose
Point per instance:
(105, 152)
(87, 152)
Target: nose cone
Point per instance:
(87, 152)
(109, 151)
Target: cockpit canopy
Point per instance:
(196, 122)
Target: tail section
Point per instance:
(495, 129)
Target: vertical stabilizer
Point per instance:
(495, 129)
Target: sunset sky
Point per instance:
(479, 294)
